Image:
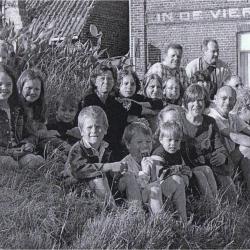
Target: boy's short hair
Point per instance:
(99, 70)
(171, 128)
(167, 109)
(128, 71)
(193, 93)
(67, 100)
(134, 128)
(95, 112)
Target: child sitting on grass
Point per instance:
(30, 87)
(171, 170)
(202, 175)
(64, 122)
(88, 158)
(17, 143)
(138, 139)
(172, 92)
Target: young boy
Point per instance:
(65, 119)
(173, 173)
(88, 158)
(227, 123)
(138, 139)
(62, 131)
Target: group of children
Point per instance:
(146, 142)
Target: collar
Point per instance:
(206, 65)
(97, 152)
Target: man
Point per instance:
(219, 70)
(228, 123)
(170, 66)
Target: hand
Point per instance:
(115, 167)
(17, 153)
(74, 132)
(217, 159)
(146, 164)
(52, 133)
(28, 147)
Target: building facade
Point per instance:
(73, 17)
(155, 23)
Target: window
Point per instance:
(244, 57)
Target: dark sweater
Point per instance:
(172, 163)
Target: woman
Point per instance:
(203, 149)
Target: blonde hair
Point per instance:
(171, 128)
(95, 112)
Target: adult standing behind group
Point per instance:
(170, 66)
(219, 70)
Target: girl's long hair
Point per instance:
(14, 98)
(39, 106)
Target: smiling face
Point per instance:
(154, 89)
(139, 145)
(225, 100)
(66, 113)
(128, 86)
(93, 131)
(196, 107)
(104, 83)
(31, 90)
(172, 89)
(6, 86)
(173, 58)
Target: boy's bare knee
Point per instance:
(178, 179)
(207, 169)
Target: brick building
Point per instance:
(155, 23)
(73, 17)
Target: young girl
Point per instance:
(172, 91)
(30, 87)
(17, 142)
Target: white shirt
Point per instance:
(233, 123)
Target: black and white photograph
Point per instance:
(125, 124)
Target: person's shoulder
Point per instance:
(193, 63)
(52, 122)
(208, 119)
(139, 98)
(159, 151)
(156, 68)
(222, 64)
